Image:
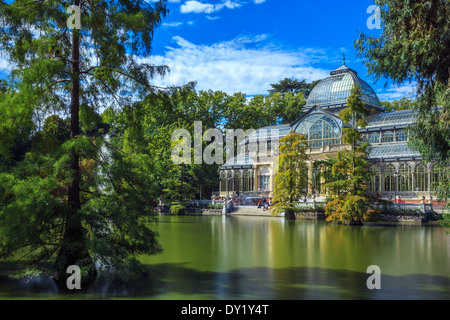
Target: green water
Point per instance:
(225, 257)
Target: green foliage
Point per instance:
(431, 136)
(178, 207)
(347, 183)
(217, 206)
(293, 86)
(291, 180)
(413, 46)
(116, 193)
(351, 208)
(399, 105)
(146, 127)
(78, 193)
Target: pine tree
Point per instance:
(348, 191)
(291, 180)
(61, 67)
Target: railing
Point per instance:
(226, 206)
(250, 194)
(204, 203)
(408, 208)
(403, 194)
(315, 204)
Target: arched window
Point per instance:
(436, 175)
(264, 179)
(401, 135)
(248, 181)
(389, 179)
(404, 178)
(387, 136)
(376, 178)
(223, 181)
(364, 137)
(238, 181)
(229, 181)
(420, 177)
(320, 130)
(316, 178)
(374, 137)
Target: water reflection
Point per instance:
(176, 281)
(270, 258)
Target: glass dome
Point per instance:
(335, 90)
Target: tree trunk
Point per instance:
(354, 153)
(357, 222)
(182, 212)
(74, 249)
(289, 214)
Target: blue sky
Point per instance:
(246, 45)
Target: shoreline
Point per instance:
(386, 220)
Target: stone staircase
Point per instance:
(251, 211)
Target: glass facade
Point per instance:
(248, 181)
(239, 180)
(238, 183)
(376, 178)
(389, 178)
(374, 137)
(394, 166)
(320, 130)
(420, 177)
(336, 89)
(401, 135)
(405, 117)
(404, 177)
(387, 136)
(410, 177)
(393, 150)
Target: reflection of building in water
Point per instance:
(396, 168)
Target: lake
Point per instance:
(229, 257)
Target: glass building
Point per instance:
(396, 169)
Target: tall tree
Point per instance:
(293, 86)
(348, 190)
(60, 67)
(291, 180)
(356, 115)
(413, 46)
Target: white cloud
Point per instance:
(172, 24)
(213, 17)
(194, 6)
(259, 1)
(5, 65)
(395, 92)
(239, 65)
